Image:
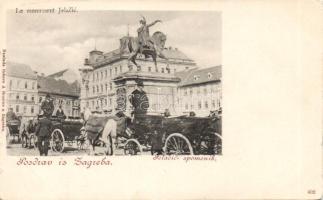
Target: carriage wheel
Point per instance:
(211, 144)
(132, 147)
(178, 144)
(57, 140)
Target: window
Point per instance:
(92, 104)
(110, 72)
(24, 109)
(199, 105)
(93, 89)
(93, 77)
(101, 88)
(110, 86)
(17, 96)
(105, 102)
(97, 89)
(87, 104)
(198, 90)
(18, 84)
(116, 70)
(186, 106)
(110, 101)
(17, 108)
(213, 103)
(26, 85)
(163, 70)
(101, 75)
(67, 102)
(120, 69)
(205, 90)
(192, 107)
(40, 99)
(25, 97)
(32, 109)
(149, 69)
(185, 92)
(10, 84)
(33, 86)
(106, 73)
(206, 104)
(106, 87)
(191, 91)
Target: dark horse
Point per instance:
(154, 49)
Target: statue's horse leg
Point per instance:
(134, 50)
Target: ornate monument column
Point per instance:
(159, 87)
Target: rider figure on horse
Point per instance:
(143, 34)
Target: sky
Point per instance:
(51, 42)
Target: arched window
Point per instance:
(26, 85)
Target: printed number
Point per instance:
(311, 191)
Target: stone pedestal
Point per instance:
(161, 89)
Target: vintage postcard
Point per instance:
(161, 100)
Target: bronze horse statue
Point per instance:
(154, 49)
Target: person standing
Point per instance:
(139, 100)
(11, 115)
(47, 106)
(43, 132)
(140, 103)
(60, 113)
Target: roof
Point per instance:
(60, 87)
(200, 76)
(60, 73)
(20, 71)
(175, 54)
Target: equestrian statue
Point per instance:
(149, 46)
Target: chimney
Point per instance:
(86, 61)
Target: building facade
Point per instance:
(22, 92)
(62, 93)
(102, 75)
(200, 91)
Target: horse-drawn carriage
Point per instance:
(13, 128)
(181, 135)
(65, 132)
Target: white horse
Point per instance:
(109, 133)
(109, 136)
